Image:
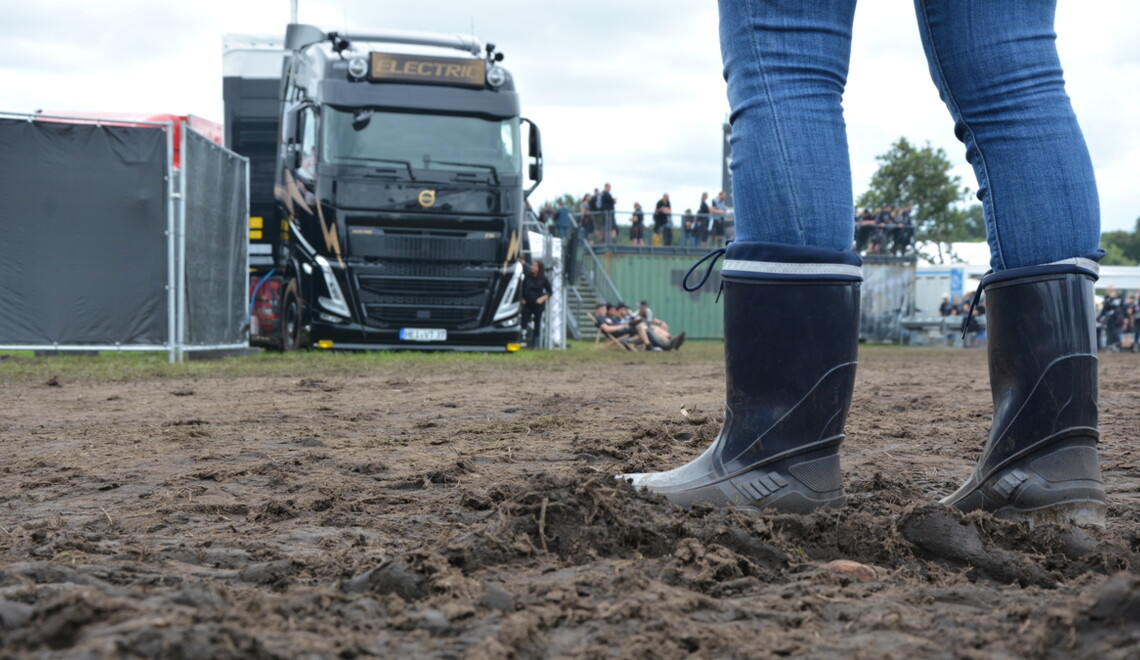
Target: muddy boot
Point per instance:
(1040, 463)
(791, 332)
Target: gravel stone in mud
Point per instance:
(469, 511)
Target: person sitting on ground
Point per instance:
(658, 327)
(623, 313)
(606, 319)
(616, 322)
(651, 336)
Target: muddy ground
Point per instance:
(465, 510)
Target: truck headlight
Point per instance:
(335, 302)
(508, 306)
(496, 76)
(358, 67)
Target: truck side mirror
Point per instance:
(535, 152)
(293, 153)
(535, 140)
(298, 36)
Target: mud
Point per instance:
(467, 510)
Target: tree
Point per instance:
(568, 199)
(975, 224)
(1122, 248)
(907, 175)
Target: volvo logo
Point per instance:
(427, 198)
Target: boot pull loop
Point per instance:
(714, 255)
(973, 306)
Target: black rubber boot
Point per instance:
(1040, 463)
(790, 350)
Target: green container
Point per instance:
(887, 292)
(657, 278)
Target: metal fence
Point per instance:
(109, 246)
(603, 231)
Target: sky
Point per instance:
(625, 91)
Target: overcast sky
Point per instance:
(625, 91)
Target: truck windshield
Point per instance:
(450, 142)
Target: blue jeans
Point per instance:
(996, 67)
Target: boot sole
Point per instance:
(1087, 513)
(1058, 486)
(791, 486)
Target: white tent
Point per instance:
(975, 260)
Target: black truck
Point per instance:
(387, 189)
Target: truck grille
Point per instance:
(406, 295)
(457, 318)
(365, 243)
(402, 287)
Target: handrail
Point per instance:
(606, 288)
(571, 317)
(611, 230)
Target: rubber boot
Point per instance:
(1040, 463)
(791, 333)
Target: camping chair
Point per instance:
(603, 339)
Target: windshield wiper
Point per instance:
(494, 172)
(383, 160)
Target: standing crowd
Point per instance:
(598, 221)
(1116, 321)
(1116, 318)
(889, 230)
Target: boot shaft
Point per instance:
(781, 334)
(1041, 343)
(790, 358)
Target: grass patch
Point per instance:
(25, 366)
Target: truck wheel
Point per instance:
(290, 318)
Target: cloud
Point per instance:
(629, 91)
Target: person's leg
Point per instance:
(790, 346)
(785, 62)
(539, 310)
(996, 68)
(791, 281)
(1114, 336)
(1040, 461)
(527, 314)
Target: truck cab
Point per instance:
(398, 193)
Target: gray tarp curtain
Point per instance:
(215, 271)
(83, 234)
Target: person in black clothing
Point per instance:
(1112, 315)
(864, 230)
(637, 225)
(688, 229)
(1128, 339)
(535, 292)
(590, 215)
(904, 230)
(663, 220)
(947, 307)
(606, 203)
(702, 226)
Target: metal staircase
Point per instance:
(592, 285)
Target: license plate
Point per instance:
(423, 334)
